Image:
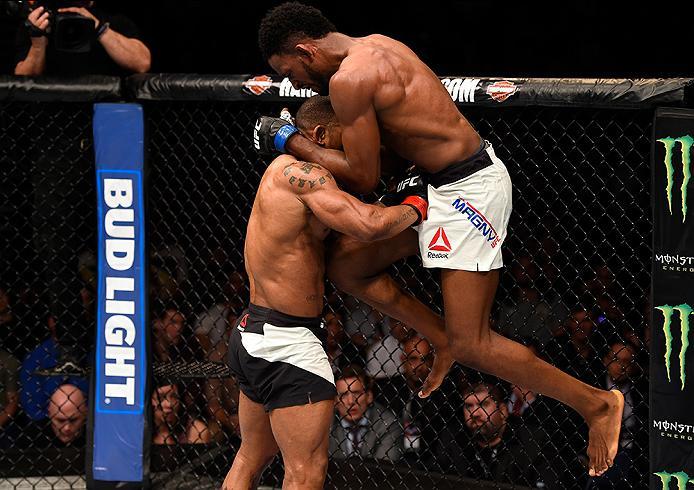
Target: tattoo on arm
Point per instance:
(309, 170)
(407, 215)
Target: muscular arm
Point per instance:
(129, 53)
(35, 62)
(336, 209)
(359, 167)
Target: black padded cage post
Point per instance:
(575, 283)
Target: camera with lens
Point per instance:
(68, 31)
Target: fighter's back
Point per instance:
(416, 115)
(283, 251)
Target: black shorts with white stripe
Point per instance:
(279, 360)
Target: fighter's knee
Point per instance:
(253, 462)
(309, 472)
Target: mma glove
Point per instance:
(270, 135)
(411, 191)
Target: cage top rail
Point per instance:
(465, 91)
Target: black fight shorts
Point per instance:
(279, 360)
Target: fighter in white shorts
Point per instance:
(469, 209)
(385, 97)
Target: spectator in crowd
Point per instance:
(67, 411)
(212, 326)
(361, 325)
(222, 395)
(334, 341)
(490, 447)
(170, 427)
(113, 47)
(525, 312)
(422, 419)
(384, 354)
(622, 373)
(362, 428)
(9, 397)
(36, 389)
(19, 323)
(170, 342)
(573, 350)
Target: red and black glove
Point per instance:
(411, 191)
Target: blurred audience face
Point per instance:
(165, 404)
(398, 329)
(353, 398)
(67, 411)
(620, 362)
(525, 271)
(335, 332)
(580, 326)
(416, 360)
(6, 316)
(484, 417)
(170, 326)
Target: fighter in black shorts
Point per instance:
(276, 352)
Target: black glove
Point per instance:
(270, 134)
(411, 191)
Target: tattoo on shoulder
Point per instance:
(310, 175)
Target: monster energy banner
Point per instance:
(671, 375)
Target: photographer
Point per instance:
(59, 39)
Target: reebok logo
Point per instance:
(439, 243)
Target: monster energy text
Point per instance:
(683, 311)
(674, 430)
(686, 143)
(675, 262)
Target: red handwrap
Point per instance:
(419, 204)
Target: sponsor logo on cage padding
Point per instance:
(477, 220)
(501, 90)
(674, 430)
(684, 143)
(675, 262)
(461, 89)
(679, 477)
(120, 278)
(288, 90)
(683, 313)
(439, 246)
(257, 85)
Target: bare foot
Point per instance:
(603, 437)
(442, 364)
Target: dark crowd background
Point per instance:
(456, 37)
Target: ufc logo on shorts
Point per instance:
(409, 182)
(256, 137)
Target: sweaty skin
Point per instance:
(372, 94)
(296, 206)
(383, 93)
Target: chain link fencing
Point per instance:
(575, 289)
(47, 287)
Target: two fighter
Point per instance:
(288, 391)
(382, 93)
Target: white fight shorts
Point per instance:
(469, 209)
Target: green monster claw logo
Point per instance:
(683, 310)
(686, 143)
(680, 477)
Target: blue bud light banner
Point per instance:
(120, 370)
(672, 357)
